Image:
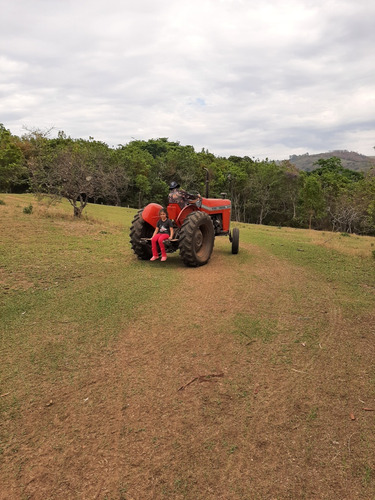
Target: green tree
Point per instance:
(136, 161)
(181, 163)
(312, 199)
(12, 171)
(73, 169)
(265, 188)
(144, 187)
(291, 183)
(238, 184)
(368, 195)
(338, 187)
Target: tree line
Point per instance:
(262, 191)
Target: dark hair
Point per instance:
(163, 210)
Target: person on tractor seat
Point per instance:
(182, 197)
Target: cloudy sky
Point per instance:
(244, 77)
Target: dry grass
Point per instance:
(247, 378)
(348, 244)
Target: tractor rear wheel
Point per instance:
(196, 240)
(140, 229)
(235, 240)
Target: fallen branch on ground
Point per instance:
(298, 371)
(201, 378)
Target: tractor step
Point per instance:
(147, 240)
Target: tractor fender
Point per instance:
(150, 213)
(184, 213)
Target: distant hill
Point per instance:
(349, 159)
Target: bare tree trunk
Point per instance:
(77, 211)
(261, 215)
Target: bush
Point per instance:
(2, 202)
(28, 210)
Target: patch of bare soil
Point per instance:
(14, 281)
(185, 406)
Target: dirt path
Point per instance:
(222, 390)
(262, 429)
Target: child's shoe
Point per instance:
(154, 258)
(163, 259)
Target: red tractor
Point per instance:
(195, 228)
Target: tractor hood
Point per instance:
(150, 213)
(215, 204)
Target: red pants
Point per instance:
(159, 238)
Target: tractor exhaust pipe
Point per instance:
(207, 181)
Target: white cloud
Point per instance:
(264, 79)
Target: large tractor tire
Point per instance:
(235, 240)
(141, 229)
(196, 240)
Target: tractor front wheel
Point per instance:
(196, 240)
(138, 230)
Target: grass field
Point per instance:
(252, 377)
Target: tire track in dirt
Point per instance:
(157, 360)
(247, 434)
(318, 376)
(158, 354)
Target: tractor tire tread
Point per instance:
(186, 241)
(137, 231)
